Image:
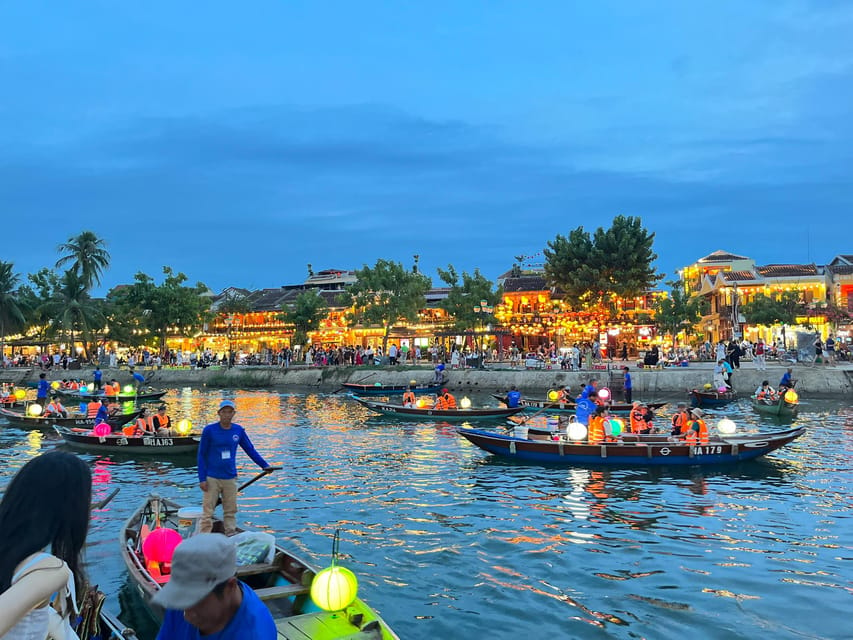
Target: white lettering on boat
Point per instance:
(707, 450)
(157, 442)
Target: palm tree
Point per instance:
(76, 309)
(11, 311)
(87, 255)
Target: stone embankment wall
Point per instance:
(648, 383)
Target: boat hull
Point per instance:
(122, 397)
(26, 422)
(632, 451)
(117, 443)
(460, 415)
(390, 389)
(711, 398)
(538, 404)
(781, 408)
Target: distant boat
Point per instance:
(391, 389)
(119, 443)
(122, 397)
(38, 422)
(710, 398)
(486, 413)
(571, 407)
(779, 408)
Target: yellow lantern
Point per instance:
(34, 410)
(20, 394)
(334, 588)
(791, 397)
(184, 427)
(553, 395)
(465, 403)
(54, 384)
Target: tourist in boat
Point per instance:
(217, 468)
(513, 397)
(786, 382)
(445, 401)
(680, 420)
(563, 395)
(595, 431)
(766, 393)
(204, 597)
(55, 408)
(44, 517)
(161, 422)
(719, 375)
(409, 399)
(697, 430)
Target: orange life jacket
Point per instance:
(92, 409)
(409, 397)
(694, 437)
(563, 396)
(156, 424)
(440, 403)
(596, 429)
(638, 422)
(54, 407)
(679, 421)
(450, 400)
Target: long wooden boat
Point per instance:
(111, 628)
(710, 398)
(119, 443)
(24, 421)
(283, 585)
(651, 450)
(149, 396)
(779, 408)
(390, 389)
(487, 413)
(540, 404)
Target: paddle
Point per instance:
(524, 421)
(103, 503)
(263, 473)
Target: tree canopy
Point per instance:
(12, 316)
(679, 311)
(305, 314)
(387, 293)
(466, 295)
(612, 262)
(87, 256)
(768, 310)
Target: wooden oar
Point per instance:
(103, 503)
(524, 421)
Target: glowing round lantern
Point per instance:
(791, 397)
(160, 545)
(553, 395)
(422, 402)
(576, 431)
(708, 386)
(34, 410)
(102, 429)
(726, 427)
(465, 403)
(414, 383)
(377, 384)
(20, 394)
(616, 426)
(84, 389)
(334, 588)
(129, 388)
(604, 394)
(721, 390)
(184, 427)
(54, 384)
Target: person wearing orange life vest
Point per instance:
(680, 420)
(596, 434)
(766, 393)
(637, 419)
(697, 430)
(162, 423)
(409, 399)
(564, 395)
(55, 408)
(92, 408)
(445, 400)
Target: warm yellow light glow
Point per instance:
(34, 410)
(334, 588)
(184, 427)
(465, 402)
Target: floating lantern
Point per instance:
(184, 427)
(553, 395)
(102, 429)
(54, 384)
(34, 410)
(604, 394)
(721, 390)
(20, 394)
(615, 426)
(465, 403)
(377, 384)
(334, 588)
(160, 545)
(129, 388)
(576, 431)
(791, 397)
(726, 426)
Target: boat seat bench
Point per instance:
(270, 593)
(324, 625)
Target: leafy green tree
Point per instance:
(464, 301)
(305, 314)
(679, 311)
(12, 312)
(387, 293)
(612, 262)
(87, 256)
(76, 312)
(769, 310)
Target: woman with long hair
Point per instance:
(44, 518)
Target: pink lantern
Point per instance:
(159, 545)
(102, 429)
(604, 394)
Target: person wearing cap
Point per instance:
(445, 401)
(217, 469)
(697, 430)
(204, 597)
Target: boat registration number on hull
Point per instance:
(157, 442)
(706, 450)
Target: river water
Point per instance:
(451, 542)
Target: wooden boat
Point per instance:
(111, 628)
(779, 408)
(24, 421)
(283, 585)
(710, 398)
(486, 413)
(390, 389)
(118, 443)
(540, 404)
(655, 449)
(150, 396)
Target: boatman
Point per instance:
(787, 382)
(138, 381)
(204, 598)
(629, 386)
(43, 390)
(217, 468)
(97, 376)
(584, 408)
(513, 397)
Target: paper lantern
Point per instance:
(422, 402)
(34, 410)
(54, 384)
(129, 388)
(721, 389)
(160, 545)
(708, 386)
(184, 427)
(465, 403)
(576, 431)
(334, 588)
(553, 395)
(414, 383)
(102, 429)
(616, 426)
(726, 426)
(20, 394)
(84, 389)
(791, 397)
(604, 394)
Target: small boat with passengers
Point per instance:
(378, 389)
(119, 443)
(428, 413)
(148, 396)
(24, 421)
(631, 449)
(710, 398)
(282, 581)
(781, 407)
(542, 404)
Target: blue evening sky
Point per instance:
(239, 141)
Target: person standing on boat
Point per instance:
(138, 381)
(205, 598)
(97, 376)
(629, 386)
(43, 390)
(584, 408)
(217, 469)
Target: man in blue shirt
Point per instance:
(629, 386)
(786, 382)
(513, 397)
(97, 375)
(204, 598)
(138, 380)
(103, 412)
(43, 390)
(584, 408)
(217, 469)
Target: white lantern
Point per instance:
(576, 431)
(726, 427)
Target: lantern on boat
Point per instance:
(414, 383)
(84, 389)
(159, 545)
(708, 386)
(34, 410)
(184, 427)
(791, 397)
(102, 429)
(726, 427)
(377, 384)
(576, 431)
(20, 394)
(465, 403)
(604, 394)
(615, 426)
(334, 588)
(553, 395)
(129, 388)
(54, 384)
(721, 390)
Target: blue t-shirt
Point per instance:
(43, 388)
(584, 409)
(786, 380)
(512, 398)
(627, 380)
(102, 415)
(139, 377)
(96, 375)
(217, 451)
(253, 621)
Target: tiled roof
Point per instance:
(721, 256)
(787, 270)
(525, 283)
(739, 276)
(267, 299)
(842, 259)
(842, 269)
